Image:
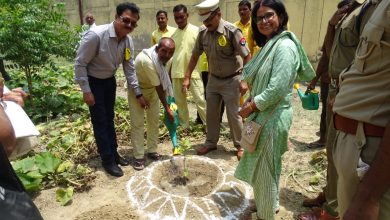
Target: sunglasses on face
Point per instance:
(129, 22)
(265, 18)
(212, 15)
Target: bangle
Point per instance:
(250, 105)
(3, 104)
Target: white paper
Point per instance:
(22, 124)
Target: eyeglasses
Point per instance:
(212, 15)
(263, 19)
(129, 22)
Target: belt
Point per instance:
(227, 77)
(349, 126)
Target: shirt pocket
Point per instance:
(369, 53)
(226, 50)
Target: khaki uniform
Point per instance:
(344, 45)
(364, 96)
(148, 79)
(223, 50)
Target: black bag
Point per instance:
(15, 203)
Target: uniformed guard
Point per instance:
(226, 52)
(362, 119)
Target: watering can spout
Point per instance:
(300, 93)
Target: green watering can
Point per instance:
(310, 99)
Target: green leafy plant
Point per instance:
(33, 32)
(55, 93)
(45, 170)
(64, 196)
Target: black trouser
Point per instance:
(102, 117)
(324, 96)
(205, 79)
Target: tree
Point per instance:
(33, 32)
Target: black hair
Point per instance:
(161, 11)
(127, 6)
(245, 2)
(280, 10)
(180, 7)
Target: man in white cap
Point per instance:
(223, 44)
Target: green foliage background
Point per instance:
(33, 32)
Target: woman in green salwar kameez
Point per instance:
(270, 76)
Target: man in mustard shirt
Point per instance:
(163, 30)
(244, 24)
(185, 37)
(154, 82)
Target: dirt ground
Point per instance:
(108, 198)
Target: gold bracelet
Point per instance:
(250, 105)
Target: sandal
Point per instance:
(154, 156)
(204, 150)
(316, 144)
(139, 164)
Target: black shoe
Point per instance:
(121, 161)
(113, 169)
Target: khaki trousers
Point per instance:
(197, 92)
(330, 189)
(137, 122)
(348, 149)
(228, 91)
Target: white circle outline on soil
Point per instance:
(204, 207)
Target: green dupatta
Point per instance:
(264, 61)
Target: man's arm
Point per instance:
(85, 53)
(365, 204)
(7, 134)
(162, 97)
(131, 77)
(191, 66)
(331, 31)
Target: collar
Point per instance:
(163, 31)
(111, 30)
(245, 25)
(221, 26)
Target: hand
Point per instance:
(334, 20)
(312, 84)
(362, 209)
(330, 103)
(20, 91)
(186, 85)
(15, 97)
(143, 102)
(243, 87)
(170, 115)
(246, 110)
(89, 99)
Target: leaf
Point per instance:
(64, 196)
(47, 162)
(29, 183)
(25, 165)
(64, 166)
